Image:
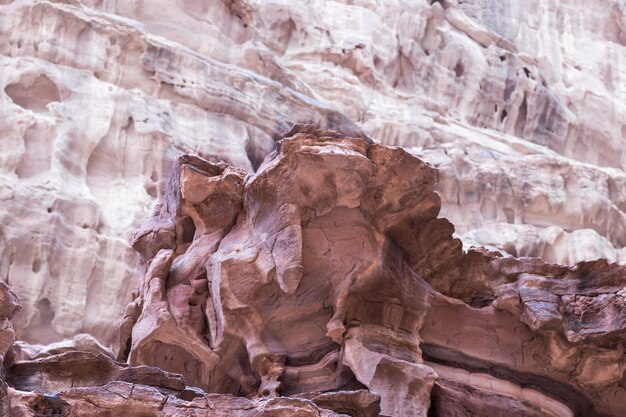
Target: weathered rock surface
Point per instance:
(520, 106)
(329, 270)
(82, 383)
(325, 284)
(9, 305)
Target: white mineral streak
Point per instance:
(521, 105)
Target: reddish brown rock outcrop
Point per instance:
(288, 281)
(324, 285)
(329, 269)
(79, 383)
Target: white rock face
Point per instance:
(521, 105)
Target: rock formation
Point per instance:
(321, 281)
(329, 270)
(324, 285)
(519, 105)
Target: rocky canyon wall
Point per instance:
(325, 284)
(515, 111)
(519, 105)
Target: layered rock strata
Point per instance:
(520, 105)
(326, 285)
(83, 380)
(329, 270)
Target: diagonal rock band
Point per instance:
(326, 285)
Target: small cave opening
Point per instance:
(33, 94)
(520, 123)
(481, 301)
(46, 314)
(459, 69)
(188, 230)
(190, 393)
(36, 265)
(124, 356)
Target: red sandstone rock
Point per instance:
(325, 285)
(329, 268)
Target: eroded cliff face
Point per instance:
(325, 284)
(321, 281)
(519, 105)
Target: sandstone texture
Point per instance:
(329, 270)
(325, 284)
(519, 104)
(304, 269)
